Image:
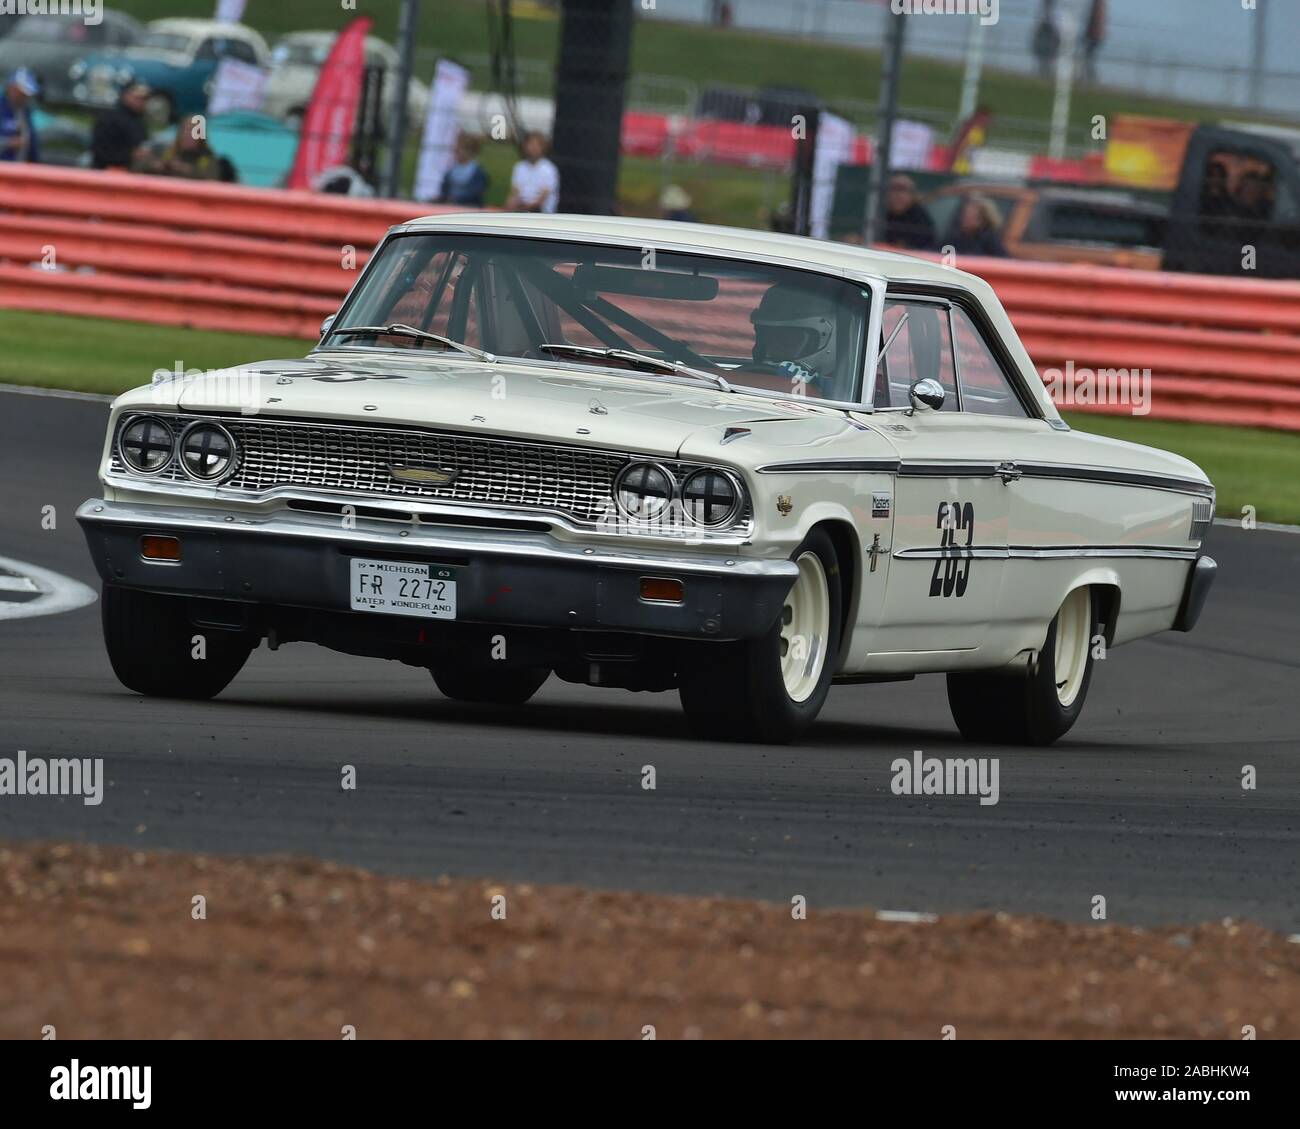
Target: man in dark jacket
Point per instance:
(118, 140)
(907, 223)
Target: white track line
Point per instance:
(58, 393)
(907, 916)
(1271, 526)
(58, 593)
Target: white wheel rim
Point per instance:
(1073, 627)
(805, 628)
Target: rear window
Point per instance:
(1088, 223)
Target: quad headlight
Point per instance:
(644, 491)
(146, 444)
(702, 496)
(711, 497)
(207, 451)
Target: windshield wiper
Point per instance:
(640, 361)
(399, 329)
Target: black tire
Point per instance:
(150, 643)
(735, 691)
(511, 687)
(1021, 708)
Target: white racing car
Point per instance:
(654, 456)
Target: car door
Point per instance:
(951, 506)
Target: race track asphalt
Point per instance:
(1141, 803)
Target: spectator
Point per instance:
(535, 181)
(975, 231)
(1047, 40)
(118, 140)
(1094, 36)
(675, 204)
(907, 223)
(189, 155)
(465, 183)
(1215, 198)
(17, 134)
(1254, 198)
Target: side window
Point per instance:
(238, 49)
(985, 387)
(207, 49)
(921, 349)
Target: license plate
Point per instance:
(403, 588)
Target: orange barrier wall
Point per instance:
(173, 252)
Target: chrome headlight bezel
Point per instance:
(737, 497)
(227, 468)
(129, 462)
(677, 512)
(650, 467)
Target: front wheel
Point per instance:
(772, 688)
(156, 651)
(1037, 705)
(500, 687)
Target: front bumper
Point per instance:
(298, 560)
(1199, 581)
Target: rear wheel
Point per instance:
(1037, 705)
(772, 688)
(502, 687)
(155, 650)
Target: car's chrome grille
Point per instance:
(359, 460)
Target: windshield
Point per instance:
(301, 52)
(755, 325)
(49, 29)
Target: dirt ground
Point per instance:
(104, 943)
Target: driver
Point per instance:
(794, 336)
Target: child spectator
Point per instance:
(535, 181)
(465, 183)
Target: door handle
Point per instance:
(1008, 472)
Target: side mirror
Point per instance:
(926, 393)
(325, 325)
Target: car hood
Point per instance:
(562, 405)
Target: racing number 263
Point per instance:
(952, 568)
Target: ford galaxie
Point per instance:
(743, 466)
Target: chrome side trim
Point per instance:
(948, 470)
(1061, 471)
(832, 466)
(1048, 553)
(1146, 479)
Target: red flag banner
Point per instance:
(332, 113)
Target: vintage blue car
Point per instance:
(176, 58)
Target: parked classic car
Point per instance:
(296, 60)
(653, 456)
(176, 58)
(48, 44)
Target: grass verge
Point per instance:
(1248, 466)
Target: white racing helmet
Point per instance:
(794, 323)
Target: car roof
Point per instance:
(817, 253)
(319, 36)
(182, 25)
